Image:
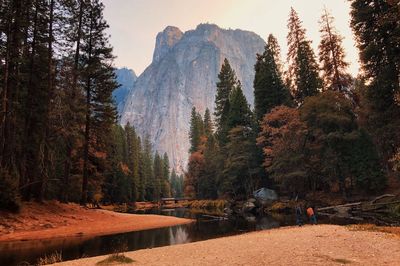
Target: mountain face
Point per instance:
(183, 74)
(126, 79)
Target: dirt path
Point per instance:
(309, 245)
(54, 220)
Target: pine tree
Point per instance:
(196, 130)
(165, 185)
(208, 124)
(100, 82)
(239, 110)
(147, 174)
(332, 56)
(376, 27)
(69, 90)
(213, 161)
(237, 176)
(237, 173)
(141, 188)
(37, 99)
(269, 89)
(276, 51)
(174, 184)
(308, 81)
(133, 157)
(117, 188)
(303, 68)
(227, 82)
(158, 177)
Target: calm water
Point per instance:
(24, 252)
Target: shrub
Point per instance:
(115, 258)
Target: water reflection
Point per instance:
(15, 253)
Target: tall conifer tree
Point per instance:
(332, 56)
(99, 83)
(269, 88)
(376, 27)
(227, 82)
(303, 68)
(208, 124)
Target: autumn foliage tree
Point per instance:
(319, 146)
(283, 138)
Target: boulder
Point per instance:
(265, 195)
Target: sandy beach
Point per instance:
(57, 220)
(308, 245)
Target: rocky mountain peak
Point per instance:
(165, 41)
(183, 75)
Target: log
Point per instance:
(215, 217)
(386, 203)
(383, 196)
(330, 215)
(340, 206)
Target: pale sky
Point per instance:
(134, 24)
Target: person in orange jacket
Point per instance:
(311, 215)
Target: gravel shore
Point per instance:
(308, 245)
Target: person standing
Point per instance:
(299, 216)
(311, 215)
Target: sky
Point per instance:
(134, 24)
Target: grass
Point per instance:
(115, 258)
(208, 204)
(284, 207)
(50, 259)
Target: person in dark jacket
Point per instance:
(299, 216)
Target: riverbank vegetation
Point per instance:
(314, 128)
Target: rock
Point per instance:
(228, 211)
(165, 41)
(265, 196)
(248, 206)
(126, 79)
(183, 74)
(252, 200)
(48, 226)
(250, 217)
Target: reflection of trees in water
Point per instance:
(179, 235)
(267, 222)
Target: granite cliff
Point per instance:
(183, 74)
(126, 79)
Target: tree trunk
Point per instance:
(88, 121)
(72, 105)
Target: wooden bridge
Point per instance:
(174, 200)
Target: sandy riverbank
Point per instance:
(308, 245)
(56, 220)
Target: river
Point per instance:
(28, 252)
